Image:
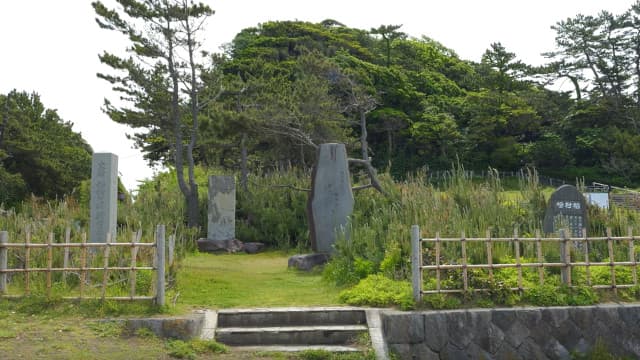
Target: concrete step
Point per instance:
(297, 348)
(293, 316)
(290, 335)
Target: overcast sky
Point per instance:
(51, 47)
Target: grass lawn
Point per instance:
(242, 280)
(50, 335)
(37, 329)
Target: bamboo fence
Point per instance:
(579, 246)
(86, 250)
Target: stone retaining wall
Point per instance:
(513, 333)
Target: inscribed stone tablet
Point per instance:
(104, 196)
(222, 208)
(331, 200)
(567, 209)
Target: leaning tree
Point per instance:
(159, 81)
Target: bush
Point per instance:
(180, 349)
(190, 349)
(546, 295)
(275, 215)
(379, 291)
(442, 301)
(551, 295)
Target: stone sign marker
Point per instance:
(567, 208)
(331, 199)
(222, 208)
(104, 196)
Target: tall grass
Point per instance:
(273, 211)
(380, 226)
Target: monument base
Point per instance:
(307, 262)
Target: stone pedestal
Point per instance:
(104, 196)
(222, 208)
(331, 200)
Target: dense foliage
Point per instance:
(40, 153)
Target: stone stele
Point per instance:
(567, 208)
(331, 200)
(104, 197)
(222, 208)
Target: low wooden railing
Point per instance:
(86, 249)
(567, 246)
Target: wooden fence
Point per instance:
(87, 249)
(567, 246)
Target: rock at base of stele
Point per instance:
(306, 262)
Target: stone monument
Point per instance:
(221, 223)
(104, 196)
(331, 199)
(567, 209)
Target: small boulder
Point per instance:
(252, 247)
(209, 245)
(307, 262)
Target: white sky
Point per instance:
(51, 47)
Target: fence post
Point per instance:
(4, 239)
(160, 230)
(565, 257)
(65, 260)
(416, 263)
(172, 247)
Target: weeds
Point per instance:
(379, 291)
(190, 349)
(105, 329)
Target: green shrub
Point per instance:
(208, 346)
(394, 264)
(326, 355)
(379, 291)
(600, 351)
(552, 295)
(583, 295)
(190, 349)
(340, 272)
(441, 301)
(546, 295)
(180, 349)
(144, 281)
(273, 214)
(315, 355)
(144, 332)
(107, 328)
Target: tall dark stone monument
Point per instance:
(567, 209)
(331, 199)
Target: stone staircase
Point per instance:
(288, 329)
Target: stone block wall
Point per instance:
(513, 333)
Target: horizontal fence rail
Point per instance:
(100, 252)
(573, 253)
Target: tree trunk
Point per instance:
(5, 119)
(390, 148)
(576, 84)
(193, 207)
(363, 135)
(244, 172)
(186, 190)
(303, 163)
(193, 213)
